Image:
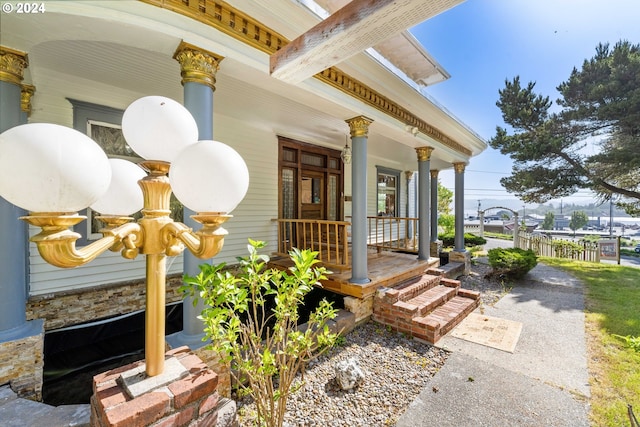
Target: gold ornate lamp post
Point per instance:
(53, 172)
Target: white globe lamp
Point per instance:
(124, 195)
(158, 128)
(210, 177)
(51, 168)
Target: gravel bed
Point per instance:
(479, 279)
(397, 368)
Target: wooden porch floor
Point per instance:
(385, 269)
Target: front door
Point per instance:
(310, 181)
(312, 195)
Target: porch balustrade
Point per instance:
(393, 233)
(328, 238)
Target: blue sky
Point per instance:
(483, 42)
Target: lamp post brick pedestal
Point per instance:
(53, 172)
(189, 399)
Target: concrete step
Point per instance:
(450, 270)
(18, 412)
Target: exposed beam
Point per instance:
(357, 26)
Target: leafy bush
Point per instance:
(252, 321)
(566, 248)
(448, 239)
(513, 263)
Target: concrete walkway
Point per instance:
(543, 383)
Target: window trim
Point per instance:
(392, 172)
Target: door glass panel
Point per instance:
(332, 198)
(311, 190)
(288, 193)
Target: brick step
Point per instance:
(411, 288)
(440, 321)
(426, 302)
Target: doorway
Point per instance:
(310, 181)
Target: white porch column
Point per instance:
(198, 70)
(459, 206)
(359, 127)
(424, 239)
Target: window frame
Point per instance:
(382, 170)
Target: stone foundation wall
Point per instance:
(462, 257)
(22, 363)
(361, 308)
(73, 307)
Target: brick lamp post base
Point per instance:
(184, 395)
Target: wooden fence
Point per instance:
(544, 245)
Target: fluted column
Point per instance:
(359, 127)
(424, 214)
(459, 206)
(198, 70)
(14, 245)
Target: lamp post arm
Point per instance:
(204, 243)
(57, 243)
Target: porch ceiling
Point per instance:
(98, 47)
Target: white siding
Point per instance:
(253, 216)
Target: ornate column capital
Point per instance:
(408, 175)
(434, 173)
(359, 126)
(459, 167)
(197, 65)
(424, 153)
(12, 65)
(26, 93)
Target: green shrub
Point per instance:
(252, 321)
(513, 263)
(448, 239)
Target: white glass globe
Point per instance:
(209, 176)
(158, 128)
(51, 168)
(124, 195)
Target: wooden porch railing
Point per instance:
(393, 233)
(328, 238)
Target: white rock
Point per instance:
(349, 374)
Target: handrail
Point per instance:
(328, 238)
(393, 233)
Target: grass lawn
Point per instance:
(612, 302)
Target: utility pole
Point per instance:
(611, 216)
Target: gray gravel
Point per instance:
(396, 370)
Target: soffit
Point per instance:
(100, 49)
(403, 51)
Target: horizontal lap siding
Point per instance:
(252, 218)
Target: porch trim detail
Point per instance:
(242, 27)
